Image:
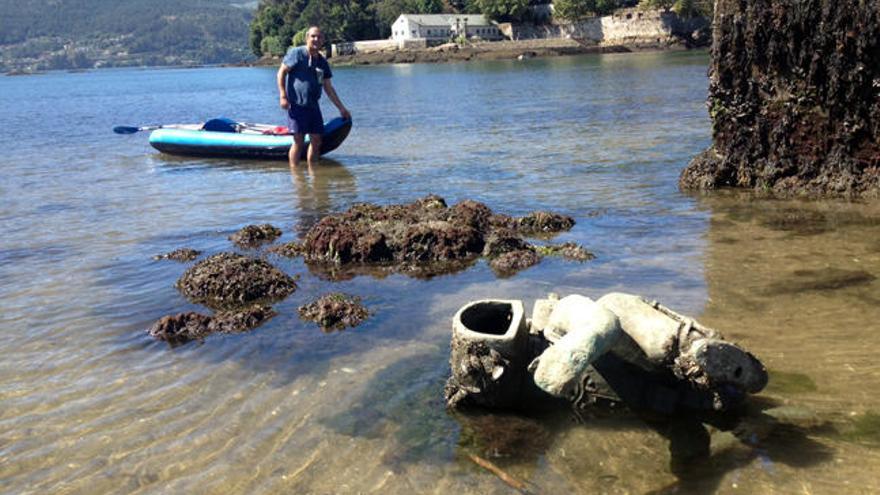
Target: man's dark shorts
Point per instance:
(305, 120)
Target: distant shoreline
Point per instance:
(506, 50)
(503, 50)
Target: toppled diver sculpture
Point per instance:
(618, 349)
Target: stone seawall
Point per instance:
(794, 97)
(628, 27)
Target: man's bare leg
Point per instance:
(314, 149)
(296, 150)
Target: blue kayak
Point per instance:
(226, 138)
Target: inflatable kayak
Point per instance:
(227, 138)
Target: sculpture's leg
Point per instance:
(588, 331)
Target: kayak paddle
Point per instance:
(124, 129)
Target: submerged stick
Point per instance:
(497, 471)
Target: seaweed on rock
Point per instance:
(254, 235)
(335, 311)
(229, 281)
(425, 237)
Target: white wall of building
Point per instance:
(443, 27)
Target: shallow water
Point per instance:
(91, 404)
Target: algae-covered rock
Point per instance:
(567, 250)
(333, 240)
(184, 327)
(335, 311)
(439, 241)
(181, 254)
(504, 240)
(229, 280)
(254, 235)
(544, 222)
(426, 237)
(288, 249)
(181, 328)
(511, 262)
(794, 99)
(242, 320)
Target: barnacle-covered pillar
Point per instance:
(490, 352)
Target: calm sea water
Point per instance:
(89, 403)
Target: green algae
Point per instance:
(784, 382)
(864, 429)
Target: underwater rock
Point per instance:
(184, 327)
(335, 311)
(230, 281)
(254, 235)
(827, 279)
(181, 254)
(181, 328)
(567, 250)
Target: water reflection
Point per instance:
(321, 190)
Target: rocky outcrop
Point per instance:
(252, 236)
(232, 281)
(335, 311)
(794, 97)
(424, 238)
(184, 327)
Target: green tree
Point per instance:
(300, 37)
(684, 8)
(268, 21)
(573, 10)
(503, 10)
(606, 7)
(576, 10)
(694, 8)
(665, 5)
(271, 45)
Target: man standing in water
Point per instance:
(304, 72)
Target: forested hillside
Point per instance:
(58, 34)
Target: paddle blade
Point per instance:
(122, 129)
